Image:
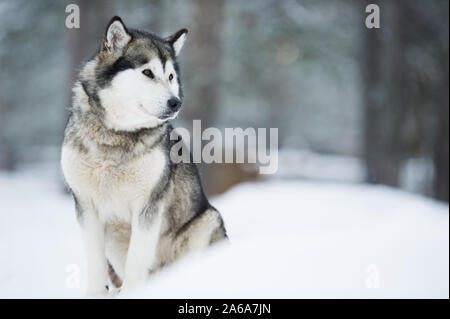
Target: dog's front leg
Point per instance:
(93, 232)
(145, 228)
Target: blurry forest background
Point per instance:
(352, 104)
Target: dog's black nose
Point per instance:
(174, 104)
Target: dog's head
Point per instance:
(135, 77)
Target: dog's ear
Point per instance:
(176, 40)
(116, 36)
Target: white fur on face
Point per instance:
(133, 101)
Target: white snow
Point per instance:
(288, 239)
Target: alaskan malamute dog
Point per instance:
(138, 210)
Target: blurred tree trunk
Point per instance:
(405, 79)
(383, 72)
(7, 156)
(6, 151)
(441, 92)
(204, 58)
(441, 145)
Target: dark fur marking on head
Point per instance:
(162, 57)
(141, 59)
(104, 76)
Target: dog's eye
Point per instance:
(149, 73)
(170, 77)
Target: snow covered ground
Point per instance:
(288, 239)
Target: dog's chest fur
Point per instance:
(115, 188)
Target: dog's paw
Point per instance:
(114, 292)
